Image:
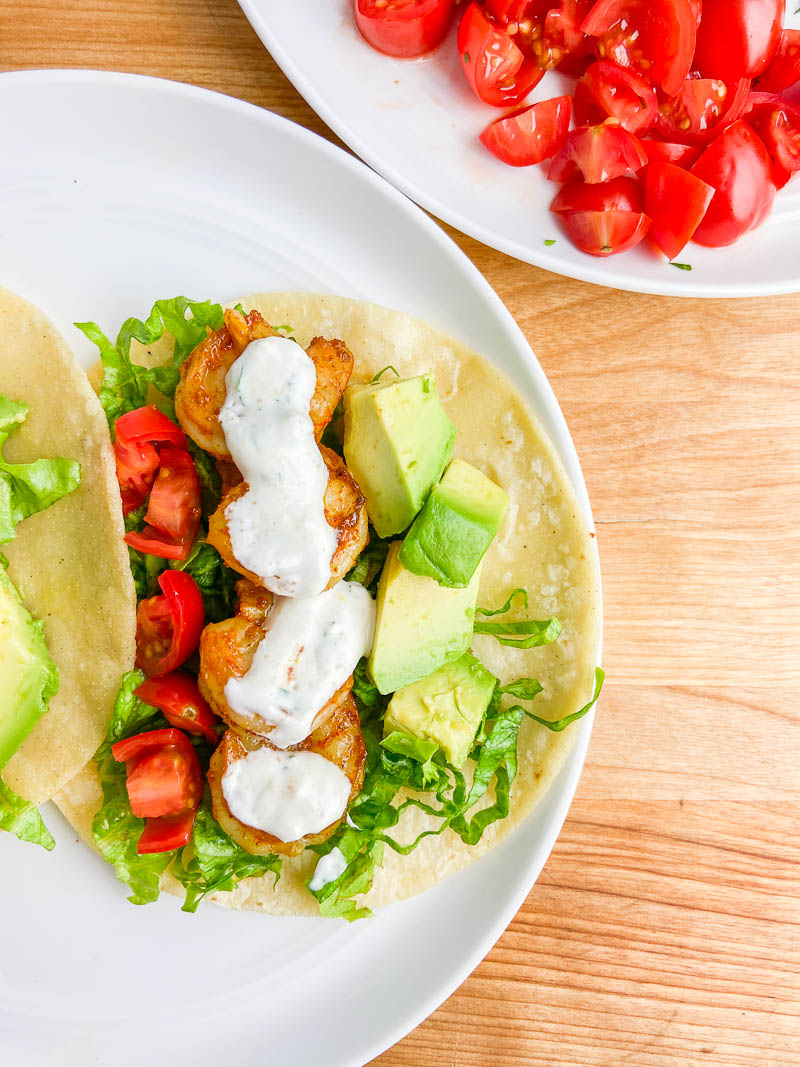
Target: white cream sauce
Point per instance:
(287, 794)
(277, 528)
(328, 869)
(308, 652)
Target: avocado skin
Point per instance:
(28, 675)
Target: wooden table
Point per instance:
(665, 928)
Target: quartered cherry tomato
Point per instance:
(532, 135)
(136, 437)
(173, 511)
(165, 785)
(404, 28)
(168, 627)
(738, 38)
(620, 194)
(701, 110)
(676, 201)
(597, 154)
(682, 155)
(655, 37)
(738, 167)
(777, 123)
(496, 69)
(784, 70)
(607, 90)
(177, 695)
(605, 233)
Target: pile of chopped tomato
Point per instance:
(164, 780)
(679, 99)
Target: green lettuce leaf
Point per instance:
(215, 863)
(368, 566)
(27, 488)
(22, 819)
(520, 592)
(519, 633)
(557, 725)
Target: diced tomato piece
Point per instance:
(701, 110)
(177, 695)
(619, 194)
(605, 233)
(682, 155)
(159, 783)
(149, 424)
(403, 28)
(784, 70)
(532, 135)
(676, 201)
(138, 437)
(738, 167)
(777, 123)
(597, 154)
(166, 833)
(131, 748)
(738, 38)
(496, 69)
(610, 91)
(168, 627)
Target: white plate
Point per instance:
(116, 190)
(417, 123)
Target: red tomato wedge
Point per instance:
(620, 194)
(532, 135)
(655, 37)
(168, 627)
(496, 69)
(676, 201)
(784, 70)
(605, 233)
(564, 44)
(777, 123)
(136, 437)
(738, 167)
(597, 154)
(166, 834)
(149, 424)
(701, 110)
(610, 91)
(173, 511)
(177, 695)
(403, 28)
(738, 38)
(682, 155)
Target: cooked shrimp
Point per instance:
(201, 392)
(338, 740)
(345, 510)
(227, 649)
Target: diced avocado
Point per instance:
(419, 625)
(397, 441)
(446, 707)
(28, 676)
(449, 537)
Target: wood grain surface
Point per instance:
(665, 928)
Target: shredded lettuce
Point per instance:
(22, 819)
(216, 582)
(367, 568)
(27, 488)
(125, 383)
(519, 633)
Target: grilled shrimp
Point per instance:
(345, 510)
(201, 392)
(338, 739)
(227, 649)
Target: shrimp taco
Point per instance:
(368, 607)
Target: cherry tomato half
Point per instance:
(620, 194)
(655, 37)
(177, 695)
(701, 110)
(738, 38)
(605, 233)
(784, 70)
(403, 28)
(173, 511)
(136, 437)
(532, 135)
(168, 627)
(495, 67)
(597, 154)
(608, 90)
(777, 123)
(738, 167)
(676, 201)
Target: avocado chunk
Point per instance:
(419, 625)
(446, 707)
(449, 537)
(397, 441)
(28, 676)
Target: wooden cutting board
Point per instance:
(665, 928)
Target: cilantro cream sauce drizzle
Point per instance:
(277, 528)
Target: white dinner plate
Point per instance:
(417, 123)
(116, 190)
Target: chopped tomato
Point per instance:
(676, 201)
(532, 135)
(620, 194)
(655, 37)
(173, 511)
(138, 435)
(403, 28)
(168, 627)
(495, 67)
(164, 783)
(701, 110)
(738, 38)
(610, 91)
(784, 70)
(605, 233)
(149, 424)
(597, 154)
(564, 44)
(177, 695)
(682, 155)
(777, 123)
(738, 167)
